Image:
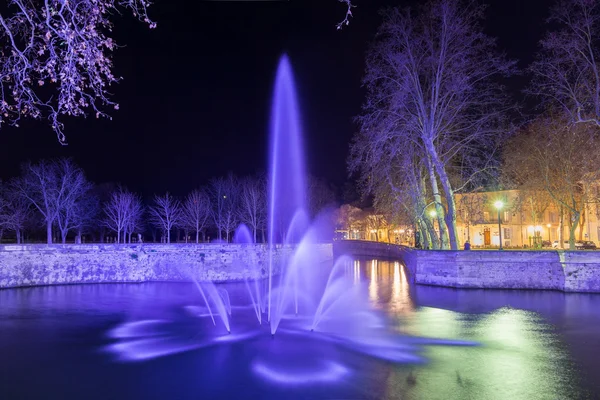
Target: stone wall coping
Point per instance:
(564, 270)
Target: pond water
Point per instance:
(146, 341)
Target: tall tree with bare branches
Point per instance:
(196, 212)
(566, 74)
(51, 187)
(225, 196)
(432, 81)
(121, 211)
(253, 203)
(165, 214)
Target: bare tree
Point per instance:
(253, 203)
(51, 187)
(196, 212)
(320, 195)
(134, 222)
(17, 212)
(84, 214)
(224, 193)
(165, 214)
(3, 212)
(560, 159)
(65, 46)
(566, 75)
(71, 207)
(121, 210)
(432, 88)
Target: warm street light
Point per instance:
(432, 213)
(499, 204)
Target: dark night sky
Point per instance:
(195, 98)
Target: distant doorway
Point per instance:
(487, 239)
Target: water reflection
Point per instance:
(389, 289)
(522, 355)
(534, 345)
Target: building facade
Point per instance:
(524, 219)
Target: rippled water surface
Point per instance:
(153, 341)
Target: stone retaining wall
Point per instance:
(568, 271)
(31, 265)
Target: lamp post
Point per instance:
(499, 204)
(549, 237)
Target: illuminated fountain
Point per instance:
(324, 308)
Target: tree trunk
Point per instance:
(49, 232)
(118, 236)
(197, 235)
(434, 239)
(18, 233)
(255, 233)
(438, 203)
(561, 227)
(581, 224)
(575, 222)
(425, 235)
(450, 217)
(168, 236)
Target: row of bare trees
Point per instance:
(57, 195)
(436, 117)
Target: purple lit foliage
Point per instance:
(63, 45)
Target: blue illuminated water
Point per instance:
(58, 343)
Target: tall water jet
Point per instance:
(286, 176)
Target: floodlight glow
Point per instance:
(498, 204)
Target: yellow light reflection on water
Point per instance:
(400, 301)
(356, 272)
(373, 297)
(519, 357)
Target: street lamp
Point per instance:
(499, 204)
(549, 237)
(433, 214)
